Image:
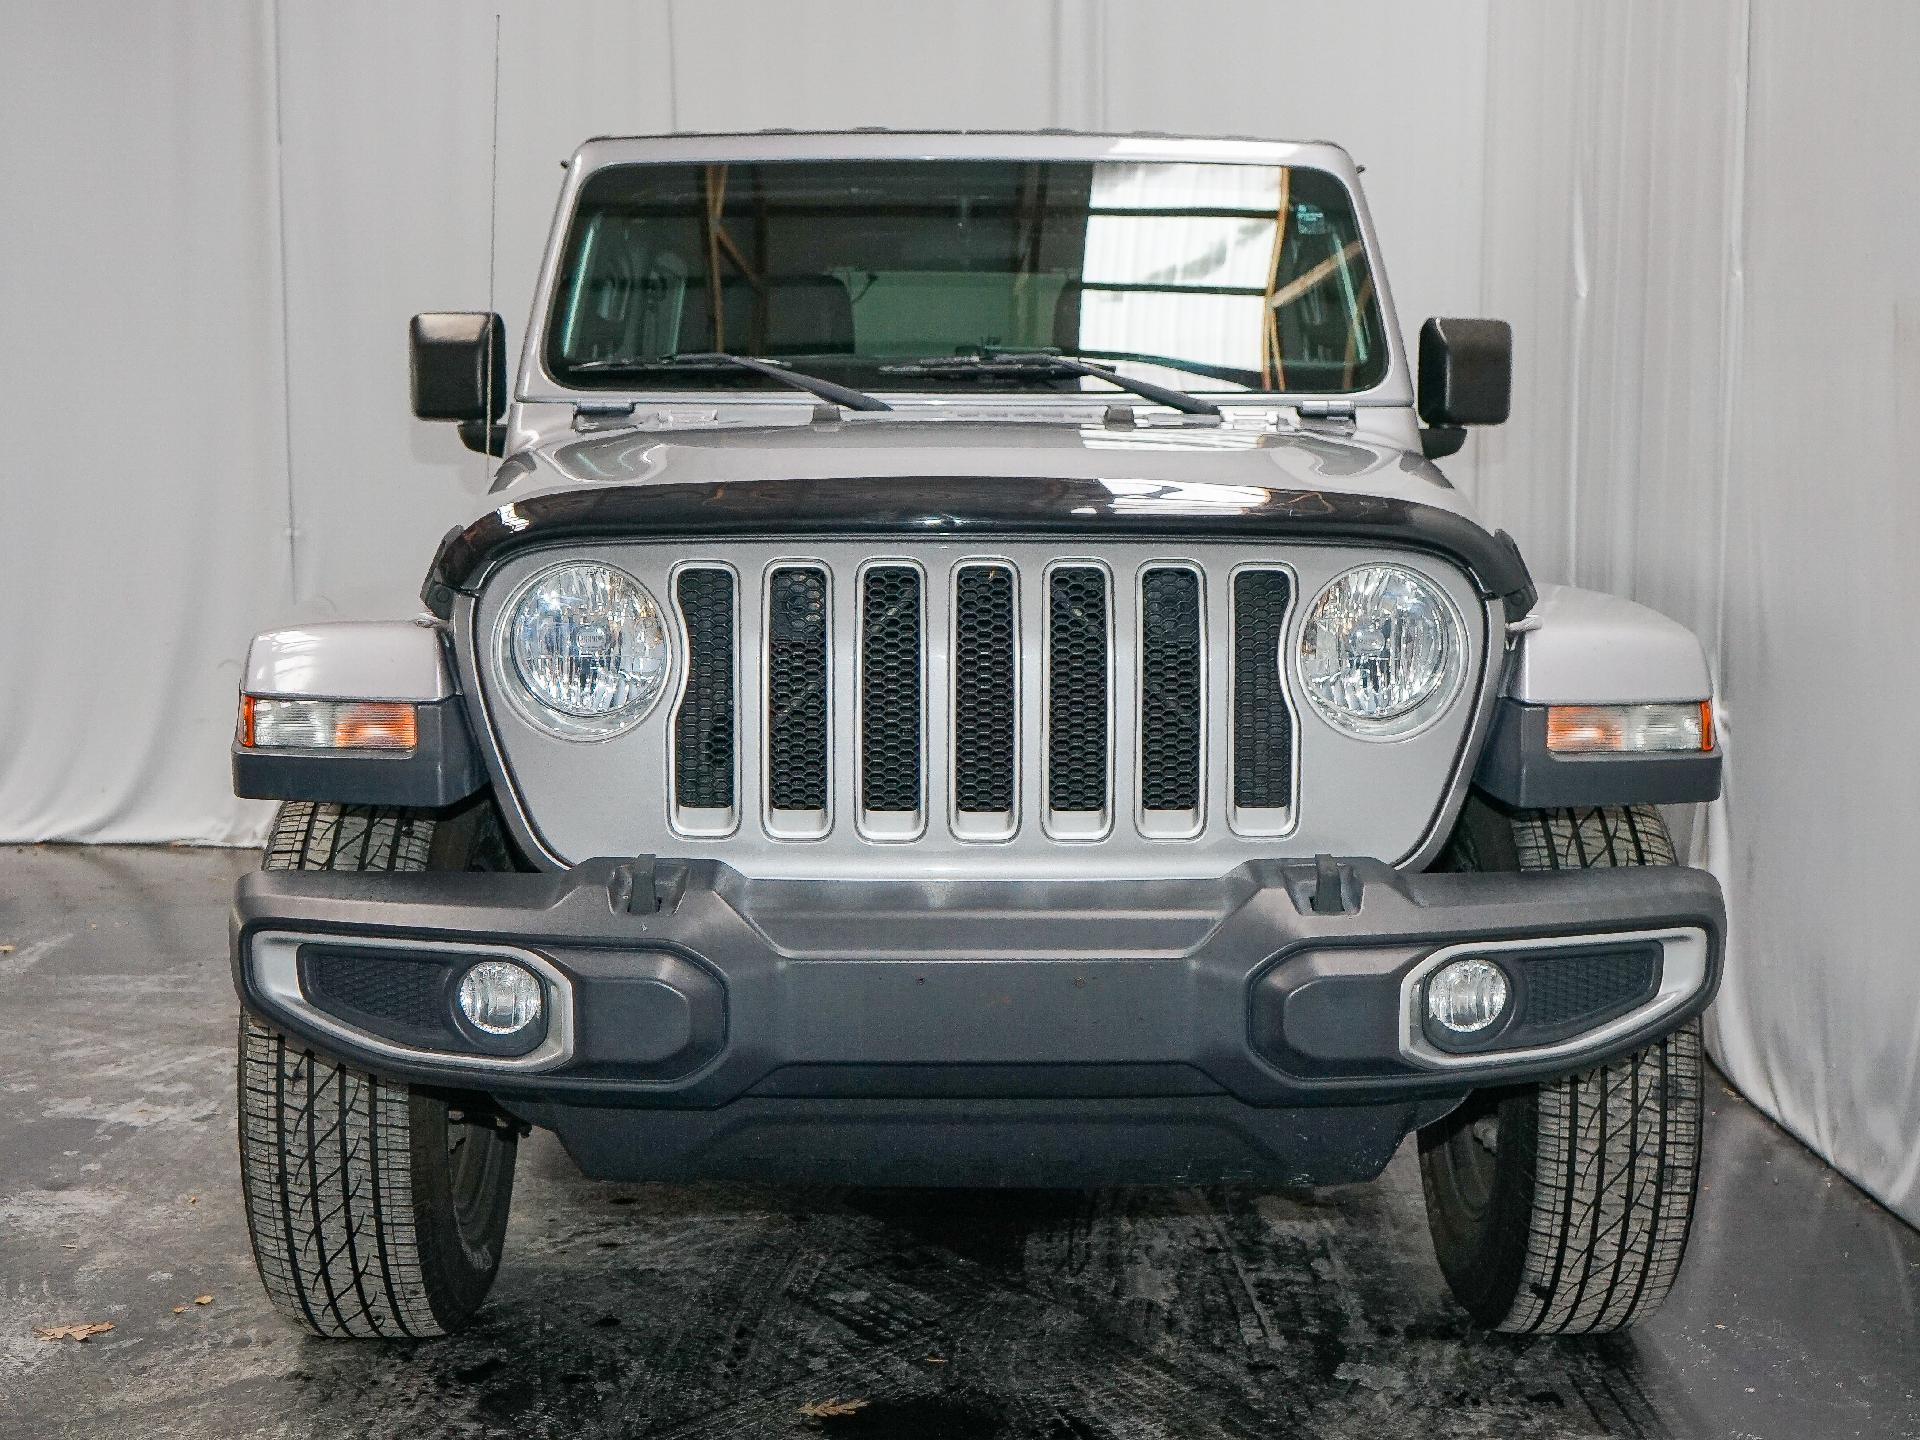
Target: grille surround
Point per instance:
(567, 801)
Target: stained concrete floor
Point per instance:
(719, 1311)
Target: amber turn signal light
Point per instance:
(1629, 729)
(272, 724)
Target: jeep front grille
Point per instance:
(954, 708)
(944, 685)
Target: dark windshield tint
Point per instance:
(1203, 276)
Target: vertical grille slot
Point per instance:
(1262, 723)
(704, 739)
(891, 765)
(1170, 700)
(985, 716)
(797, 674)
(1078, 711)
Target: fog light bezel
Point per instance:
(275, 965)
(1683, 959)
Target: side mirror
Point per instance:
(457, 362)
(1466, 378)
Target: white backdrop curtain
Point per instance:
(215, 219)
(1702, 220)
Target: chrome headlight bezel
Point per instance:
(529, 705)
(1433, 702)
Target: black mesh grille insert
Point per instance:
(703, 732)
(890, 689)
(1262, 724)
(1579, 989)
(410, 994)
(983, 671)
(1077, 689)
(797, 689)
(1170, 690)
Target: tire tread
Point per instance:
(329, 1194)
(1611, 1155)
(326, 1152)
(1614, 1180)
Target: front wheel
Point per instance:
(375, 1209)
(1564, 1207)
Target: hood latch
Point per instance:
(591, 415)
(1338, 411)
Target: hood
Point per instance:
(948, 479)
(1233, 455)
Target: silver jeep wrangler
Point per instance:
(968, 674)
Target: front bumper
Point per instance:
(1262, 1025)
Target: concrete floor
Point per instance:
(638, 1310)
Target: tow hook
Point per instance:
(633, 889)
(1329, 886)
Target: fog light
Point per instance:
(500, 998)
(1467, 996)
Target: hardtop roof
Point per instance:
(875, 142)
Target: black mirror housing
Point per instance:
(1466, 372)
(457, 361)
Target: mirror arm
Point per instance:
(485, 439)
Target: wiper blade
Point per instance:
(1051, 362)
(1233, 375)
(719, 360)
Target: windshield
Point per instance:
(1202, 276)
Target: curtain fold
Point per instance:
(143, 478)
(1700, 220)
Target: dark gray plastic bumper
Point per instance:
(1260, 1025)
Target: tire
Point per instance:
(1563, 1208)
(375, 1209)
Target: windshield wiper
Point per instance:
(1241, 379)
(1051, 362)
(720, 360)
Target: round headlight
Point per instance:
(588, 645)
(1382, 651)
